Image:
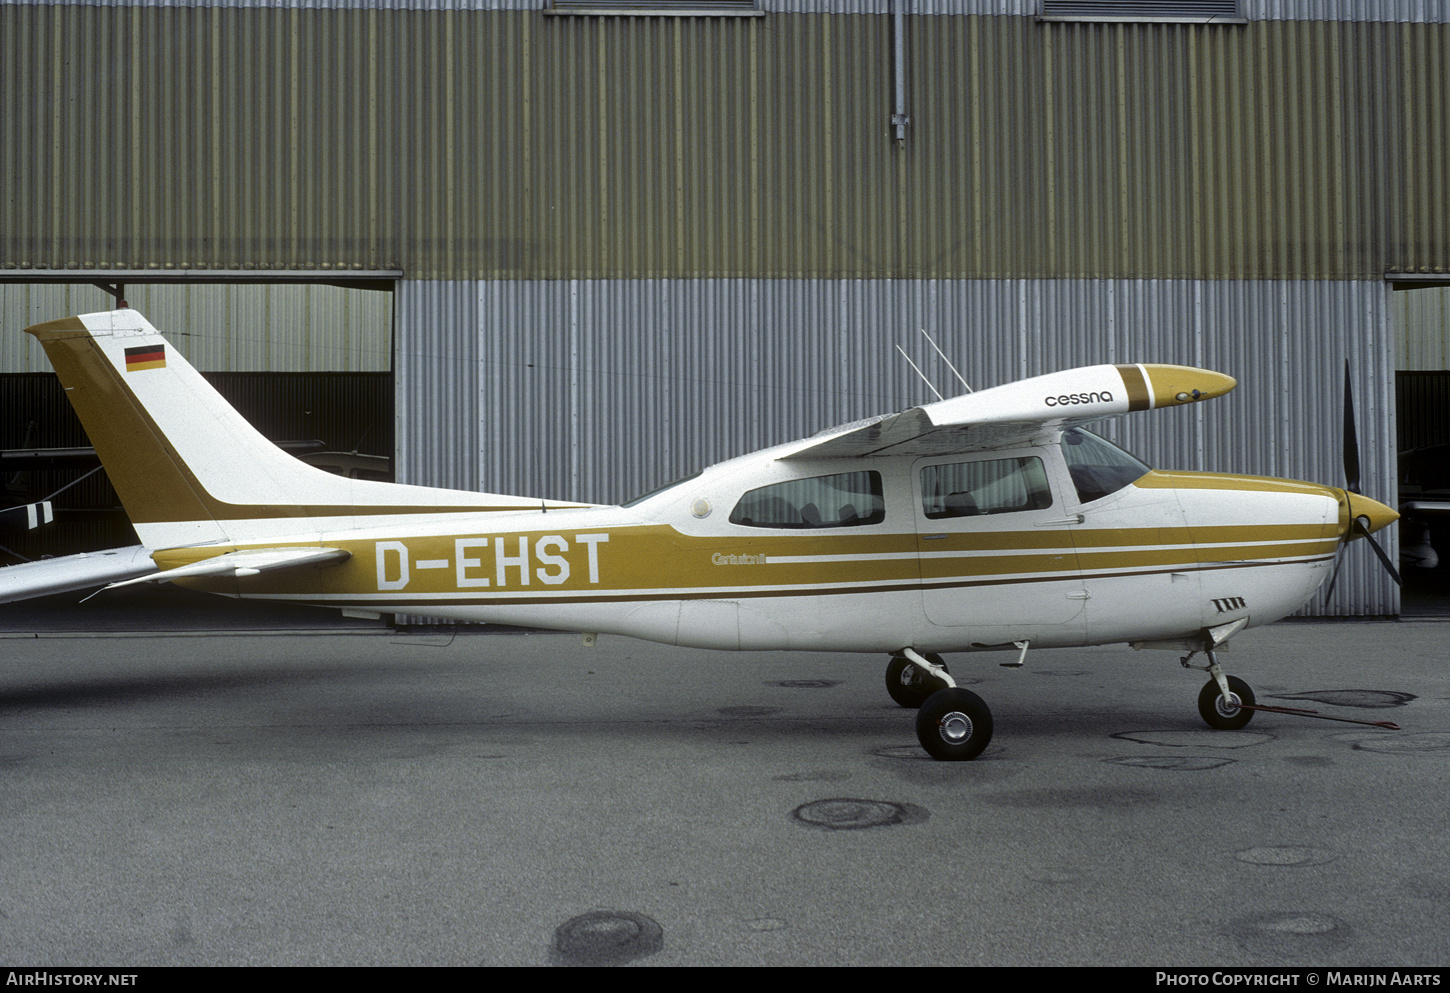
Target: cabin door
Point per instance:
(995, 545)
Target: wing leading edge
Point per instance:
(1017, 413)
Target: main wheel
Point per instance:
(954, 725)
(1226, 714)
(908, 683)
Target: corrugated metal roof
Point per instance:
(600, 390)
(1403, 11)
(526, 147)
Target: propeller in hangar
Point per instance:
(1358, 525)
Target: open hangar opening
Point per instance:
(1421, 315)
(309, 363)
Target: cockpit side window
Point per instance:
(991, 486)
(845, 500)
(1098, 467)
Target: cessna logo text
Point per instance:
(1067, 399)
(498, 561)
(724, 558)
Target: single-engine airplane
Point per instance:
(988, 521)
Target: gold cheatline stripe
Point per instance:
(456, 600)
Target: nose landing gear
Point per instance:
(1226, 712)
(1225, 703)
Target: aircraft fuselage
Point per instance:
(1156, 560)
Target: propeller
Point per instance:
(1358, 525)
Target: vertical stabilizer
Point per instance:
(189, 469)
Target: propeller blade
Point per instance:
(1357, 525)
(1384, 559)
(1351, 439)
(1334, 576)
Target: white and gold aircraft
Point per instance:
(989, 521)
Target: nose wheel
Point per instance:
(1224, 712)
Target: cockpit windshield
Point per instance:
(1098, 467)
(660, 489)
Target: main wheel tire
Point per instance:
(908, 683)
(1225, 715)
(954, 725)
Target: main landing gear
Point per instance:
(952, 724)
(1225, 702)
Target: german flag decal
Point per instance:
(146, 357)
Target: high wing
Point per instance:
(1018, 413)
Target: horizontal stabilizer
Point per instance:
(248, 562)
(73, 572)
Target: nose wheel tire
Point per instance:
(1225, 714)
(908, 684)
(954, 725)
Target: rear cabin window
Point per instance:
(995, 486)
(845, 500)
(1098, 467)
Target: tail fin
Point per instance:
(188, 468)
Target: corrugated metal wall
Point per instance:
(436, 386)
(465, 145)
(600, 390)
(236, 328)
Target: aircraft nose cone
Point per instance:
(1378, 514)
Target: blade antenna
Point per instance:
(960, 378)
(919, 372)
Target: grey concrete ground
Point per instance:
(521, 800)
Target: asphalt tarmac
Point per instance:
(375, 798)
